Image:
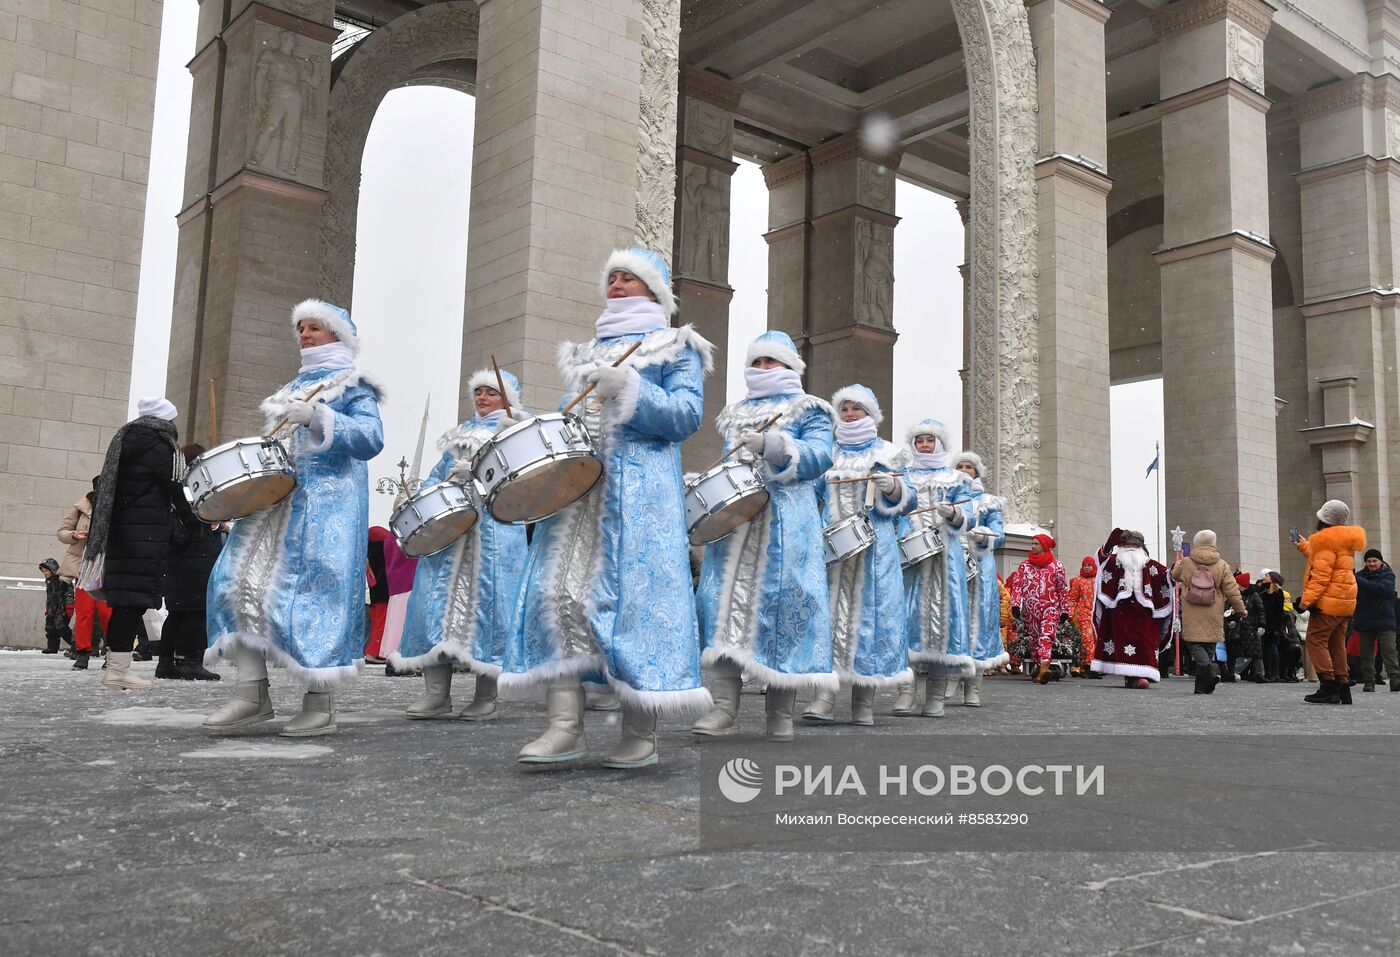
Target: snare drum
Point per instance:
(720, 500)
(434, 517)
(922, 543)
(239, 478)
(537, 467)
(848, 537)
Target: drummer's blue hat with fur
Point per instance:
(648, 266)
(929, 427)
(776, 344)
(331, 317)
(487, 377)
(861, 396)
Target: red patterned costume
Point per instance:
(1081, 606)
(1039, 589)
(1131, 610)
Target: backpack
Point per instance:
(1200, 590)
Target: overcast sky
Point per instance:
(411, 266)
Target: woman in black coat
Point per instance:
(139, 495)
(194, 547)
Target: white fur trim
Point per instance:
(764, 348)
(513, 683)
(624, 405)
(994, 662)
(443, 653)
(788, 473)
(691, 702)
(1127, 671)
(738, 415)
(769, 676)
(920, 428)
(577, 359)
(875, 681)
(950, 666)
(848, 392)
(317, 680)
(882, 505)
(275, 405)
(487, 377)
(321, 429)
(848, 464)
(624, 259)
(328, 318)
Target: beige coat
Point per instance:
(1205, 624)
(77, 520)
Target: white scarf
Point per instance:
(766, 383)
(931, 460)
(333, 355)
(630, 315)
(858, 432)
(492, 419)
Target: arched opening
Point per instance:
(411, 261)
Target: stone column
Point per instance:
(573, 156)
(1217, 315)
(704, 149)
(789, 239)
(965, 271)
(851, 335)
(1349, 140)
(248, 238)
(1072, 191)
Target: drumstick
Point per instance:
(283, 421)
(589, 388)
(762, 428)
(213, 416)
(863, 478)
(501, 384)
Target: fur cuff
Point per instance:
(691, 702)
(624, 404)
(787, 445)
(875, 681)
(318, 680)
(882, 505)
(321, 429)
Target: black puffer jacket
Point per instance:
(138, 537)
(194, 547)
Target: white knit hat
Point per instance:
(156, 405)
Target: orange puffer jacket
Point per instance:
(1329, 585)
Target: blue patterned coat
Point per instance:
(867, 592)
(763, 600)
(607, 591)
(462, 608)
(935, 590)
(983, 513)
(291, 580)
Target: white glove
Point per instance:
(507, 420)
(946, 510)
(774, 453)
(609, 381)
(461, 473)
(753, 441)
(300, 413)
(886, 483)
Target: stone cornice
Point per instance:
(1074, 171)
(703, 289)
(1239, 241)
(704, 85)
(851, 145)
(205, 52)
(1090, 8)
(1355, 432)
(1363, 89)
(1346, 302)
(193, 210)
(855, 211)
(1355, 164)
(790, 231)
(964, 208)
(690, 154)
(262, 182)
(1211, 91)
(854, 331)
(1178, 18)
(257, 12)
(785, 170)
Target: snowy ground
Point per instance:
(125, 830)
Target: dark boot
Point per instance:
(51, 645)
(1206, 679)
(1227, 671)
(1326, 693)
(168, 668)
(192, 669)
(81, 661)
(1395, 684)
(1254, 671)
(1343, 692)
(1271, 669)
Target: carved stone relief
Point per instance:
(704, 224)
(1245, 56)
(1392, 134)
(1004, 375)
(875, 186)
(656, 143)
(709, 128)
(874, 252)
(286, 89)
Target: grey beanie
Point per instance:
(1334, 512)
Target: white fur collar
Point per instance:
(744, 413)
(275, 405)
(577, 359)
(848, 464)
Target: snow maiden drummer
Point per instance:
(289, 585)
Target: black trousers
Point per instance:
(125, 628)
(184, 634)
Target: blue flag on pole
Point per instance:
(1153, 466)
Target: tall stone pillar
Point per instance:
(574, 155)
(789, 239)
(248, 242)
(965, 271)
(1072, 190)
(1217, 315)
(704, 165)
(1349, 139)
(851, 335)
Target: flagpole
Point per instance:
(1158, 460)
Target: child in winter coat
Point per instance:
(58, 603)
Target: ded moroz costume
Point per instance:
(762, 598)
(1133, 608)
(462, 608)
(607, 592)
(289, 585)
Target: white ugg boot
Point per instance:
(483, 703)
(822, 708)
(563, 739)
(908, 694)
(317, 717)
(972, 691)
(863, 705)
(118, 676)
(933, 699)
(251, 703)
(778, 706)
(637, 746)
(436, 700)
(725, 688)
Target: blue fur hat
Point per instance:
(487, 377)
(648, 266)
(331, 317)
(776, 344)
(862, 397)
(931, 427)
